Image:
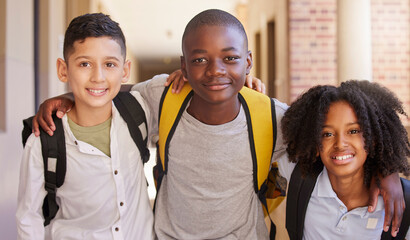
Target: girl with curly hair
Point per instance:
(341, 138)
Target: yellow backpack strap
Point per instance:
(261, 120)
(170, 111)
(258, 111)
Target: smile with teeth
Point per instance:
(343, 157)
(96, 91)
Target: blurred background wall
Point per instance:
(296, 44)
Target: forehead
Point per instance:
(341, 111)
(208, 36)
(96, 46)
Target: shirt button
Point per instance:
(117, 229)
(121, 204)
(344, 218)
(76, 143)
(116, 172)
(341, 208)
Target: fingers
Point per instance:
(248, 81)
(374, 194)
(170, 78)
(393, 198)
(35, 129)
(388, 212)
(38, 120)
(178, 79)
(64, 108)
(263, 88)
(44, 117)
(399, 207)
(179, 84)
(46, 121)
(255, 83)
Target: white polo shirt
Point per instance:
(327, 216)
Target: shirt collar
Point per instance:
(325, 190)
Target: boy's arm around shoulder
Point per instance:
(151, 91)
(31, 192)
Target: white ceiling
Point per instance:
(153, 28)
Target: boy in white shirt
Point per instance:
(104, 195)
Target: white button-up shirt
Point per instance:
(102, 197)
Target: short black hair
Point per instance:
(377, 110)
(92, 25)
(214, 17)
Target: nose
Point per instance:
(215, 68)
(340, 141)
(98, 74)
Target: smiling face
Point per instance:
(94, 70)
(342, 151)
(215, 62)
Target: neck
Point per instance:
(351, 190)
(214, 113)
(88, 117)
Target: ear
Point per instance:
(183, 67)
(126, 71)
(249, 62)
(62, 70)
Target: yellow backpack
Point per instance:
(261, 121)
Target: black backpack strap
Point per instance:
(27, 129)
(53, 150)
(134, 115)
(54, 157)
(300, 190)
(405, 222)
(266, 186)
(161, 169)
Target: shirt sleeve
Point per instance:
(151, 91)
(31, 192)
(280, 155)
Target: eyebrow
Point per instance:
(106, 58)
(349, 124)
(205, 51)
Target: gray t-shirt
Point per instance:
(208, 191)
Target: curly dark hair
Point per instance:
(377, 110)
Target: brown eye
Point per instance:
(327, 134)
(199, 60)
(231, 58)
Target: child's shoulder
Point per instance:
(157, 81)
(137, 96)
(280, 107)
(33, 142)
(32, 152)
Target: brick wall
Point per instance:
(312, 48)
(391, 47)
